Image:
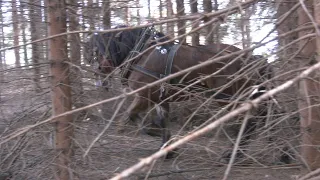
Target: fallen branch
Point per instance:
(244, 108)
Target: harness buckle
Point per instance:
(162, 91)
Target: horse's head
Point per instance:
(95, 53)
(106, 51)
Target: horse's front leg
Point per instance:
(132, 114)
(163, 122)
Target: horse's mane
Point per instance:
(120, 44)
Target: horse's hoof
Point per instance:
(152, 132)
(226, 156)
(287, 156)
(120, 130)
(172, 154)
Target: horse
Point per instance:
(162, 57)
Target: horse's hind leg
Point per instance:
(244, 141)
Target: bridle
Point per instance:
(100, 62)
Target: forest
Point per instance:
(159, 89)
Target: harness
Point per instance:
(168, 50)
(139, 47)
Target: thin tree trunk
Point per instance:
(24, 35)
(107, 14)
(46, 32)
(194, 10)
(289, 24)
(61, 91)
(245, 27)
(2, 42)
(207, 8)
(160, 14)
(1, 52)
(216, 31)
(75, 54)
(126, 15)
(170, 26)
(90, 14)
(181, 24)
(45, 54)
(35, 47)
(310, 93)
(15, 21)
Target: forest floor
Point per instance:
(32, 156)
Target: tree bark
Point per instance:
(170, 26)
(310, 91)
(2, 53)
(207, 8)
(194, 10)
(15, 21)
(216, 31)
(106, 14)
(90, 14)
(2, 65)
(61, 91)
(289, 24)
(35, 47)
(181, 24)
(75, 54)
(149, 9)
(160, 14)
(24, 35)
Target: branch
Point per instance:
(180, 18)
(244, 108)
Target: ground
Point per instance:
(31, 155)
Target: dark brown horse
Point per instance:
(110, 50)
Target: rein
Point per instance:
(139, 47)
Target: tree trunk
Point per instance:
(170, 26)
(1, 52)
(181, 24)
(207, 8)
(15, 21)
(126, 15)
(46, 33)
(194, 10)
(2, 37)
(75, 54)
(149, 9)
(3, 40)
(90, 15)
(160, 14)
(35, 47)
(106, 14)
(61, 91)
(245, 27)
(216, 31)
(24, 35)
(310, 92)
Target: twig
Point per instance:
(245, 107)
(310, 175)
(106, 127)
(181, 18)
(236, 146)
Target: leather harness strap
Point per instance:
(170, 58)
(168, 68)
